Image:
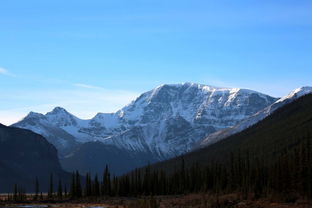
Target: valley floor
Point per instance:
(185, 201)
(227, 201)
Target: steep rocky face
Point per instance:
(196, 104)
(164, 122)
(249, 121)
(25, 155)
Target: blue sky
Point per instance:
(96, 56)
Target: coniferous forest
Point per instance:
(289, 178)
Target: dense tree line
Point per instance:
(243, 173)
(289, 176)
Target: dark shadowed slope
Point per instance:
(282, 131)
(92, 157)
(25, 155)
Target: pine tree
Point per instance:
(106, 185)
(182, 175)
(88, 187)
(147, 180)
(78, 185)
(109, 185)
(65, 190)
(96, 186)
(73, 188)
(15, 192)
(36, 189)
(51, 191)
(60, 190)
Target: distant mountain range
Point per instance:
(162, 123)
(165, 122)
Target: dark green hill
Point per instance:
(25, 155)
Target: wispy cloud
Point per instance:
(81, 85)
(5, 72)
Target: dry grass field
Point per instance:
(186, 201)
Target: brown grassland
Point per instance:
(180, 201)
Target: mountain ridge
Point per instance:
(244, 124)
(164, 122)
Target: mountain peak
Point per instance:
(169, 90)
(32, 114)
(304, 89)
(189, 84)
(61, 117)
(58, 110)
(185, 86)
(296, 93)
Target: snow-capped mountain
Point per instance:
(64, 142)
(164, 122)
(219, 135)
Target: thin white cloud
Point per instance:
(4, 71)
(81, 85)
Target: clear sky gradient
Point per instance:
(97, 55)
